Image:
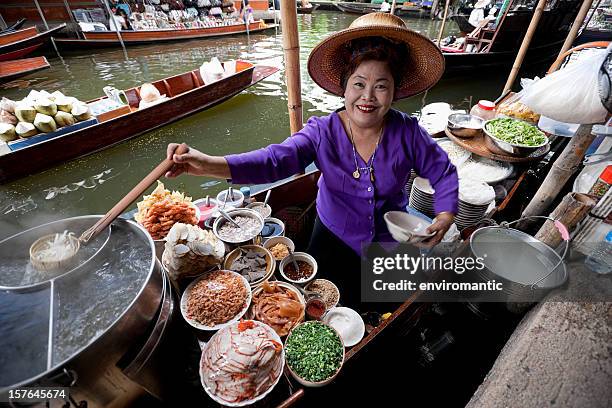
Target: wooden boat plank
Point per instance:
(110, 39)
(39, 38)
(12, 36)
(17, 68)
(106, 134)
(13, 55)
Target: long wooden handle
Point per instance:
(130, 197)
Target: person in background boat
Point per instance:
(246, 12)
(385, 6)
(121, 12)
(117, 22)
(365, 151)
(477, 16)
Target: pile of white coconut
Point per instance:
(39, 112)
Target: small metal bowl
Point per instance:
(502, 147)
(466, 126)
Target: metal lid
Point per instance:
(46, 320)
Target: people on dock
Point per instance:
(365, 150)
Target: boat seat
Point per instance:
(180, 84)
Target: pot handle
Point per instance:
(564, 235)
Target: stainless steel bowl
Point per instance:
(502, 147)
(466, 126)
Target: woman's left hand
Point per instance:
(441, 224)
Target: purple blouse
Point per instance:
(352, 208)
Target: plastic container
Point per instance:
(600, 260)
(484, 109)
(603, 183)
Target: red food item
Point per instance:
(245, 325)
(315, 308)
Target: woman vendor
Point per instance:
(365, 151)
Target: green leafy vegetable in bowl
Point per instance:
(314, 351)
(516, 132)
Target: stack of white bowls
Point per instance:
(413, 175)
(475, 197)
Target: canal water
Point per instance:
(253, 119)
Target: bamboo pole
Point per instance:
(443, 22)
(291, 47)
(117, 30)
(42, 16)
(571, 36)
(533, 25)
(562, 169)
(569, 212)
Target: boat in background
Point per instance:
(111, 39)
(13, 69)
(186, 94)
(16, 44)
(15, 26)
(307, 10)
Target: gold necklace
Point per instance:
(369, 166)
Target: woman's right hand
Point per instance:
(192, 162)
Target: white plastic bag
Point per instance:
(570, 95)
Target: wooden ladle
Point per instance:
(73, 243)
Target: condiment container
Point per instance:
(484, 109)
(315, 309)
(236, 199)
(603, 183)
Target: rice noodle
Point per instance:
(56, 249)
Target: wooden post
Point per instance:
(291, 47)
(392, 12)
(562, 169)
(571, 36)
(533, 25)
(42, 15)
(434, 9)
(443, 22)
(570, 212)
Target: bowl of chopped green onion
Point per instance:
(512, 136)
(314, 353)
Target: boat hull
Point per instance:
(23, 39)
(110, 38)
(13, 55)
(82, 142)
(14, 69)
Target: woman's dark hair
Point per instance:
(375, 49)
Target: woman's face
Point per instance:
(369, 94)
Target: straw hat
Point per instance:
(482, 4)
(422, 69)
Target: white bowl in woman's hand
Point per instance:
(405, 227)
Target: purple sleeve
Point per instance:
(432, 163)
(276, 161)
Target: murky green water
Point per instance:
(253, 119)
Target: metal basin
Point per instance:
(502, 147)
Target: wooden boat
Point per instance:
(307, 10)
(111, 39)
(358, 8)
(20, 67)
(187, 94)
(22, 42)
(497, 47)
(16, 26)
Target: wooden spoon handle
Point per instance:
(130, 197)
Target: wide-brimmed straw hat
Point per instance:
(422, 69)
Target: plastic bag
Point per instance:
(571, 94)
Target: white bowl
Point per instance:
(201, 326)
(299, 256)
(347, 323)
(268, 209)
(236, 202)
(279, 240)
(405, 227)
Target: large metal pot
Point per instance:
(79, 328)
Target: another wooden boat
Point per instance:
(307, 10)
(16, 26)
(22, 42)
(358, 8)
(21, 67)
(111, 39)
(187, 94)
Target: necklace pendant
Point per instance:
(356, 174)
